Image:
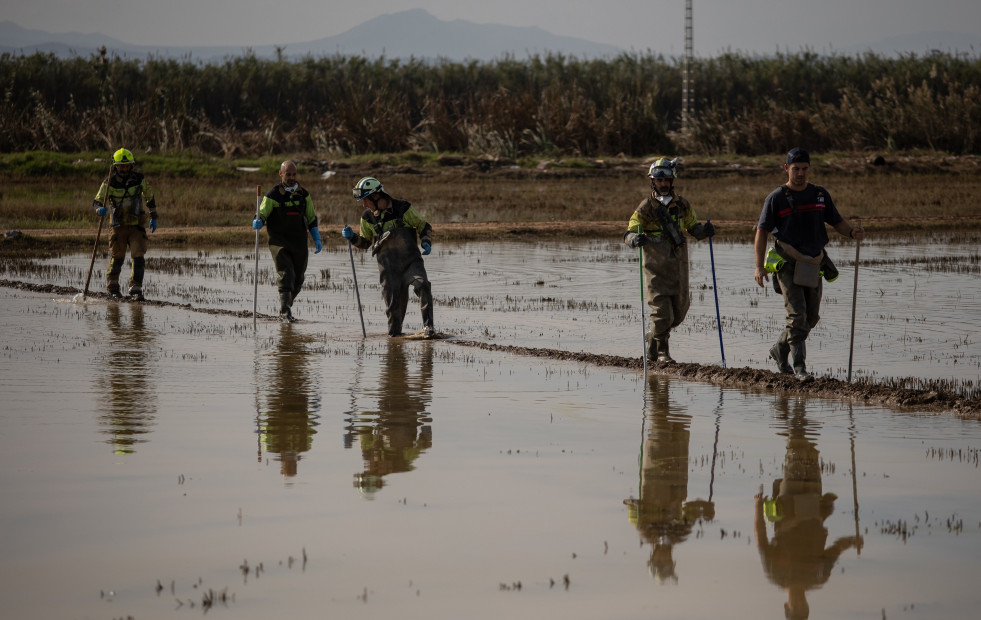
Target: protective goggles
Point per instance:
(662, 173)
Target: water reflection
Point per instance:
(131, 400)
(291, 391)
(662, 513)
(394, 435)
(796, 558)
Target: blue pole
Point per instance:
(715, 289)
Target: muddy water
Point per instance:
(159, 460)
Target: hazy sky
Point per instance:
(740, 25)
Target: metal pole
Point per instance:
(357, 292)
(643, 303)
(851, 339)
(255, 279)
(715, 289)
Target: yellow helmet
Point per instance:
(123, 156)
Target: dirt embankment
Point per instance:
(936, 400)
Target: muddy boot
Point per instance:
(114, 292)
(136, 292)
(798, 352)
(779, 353)
(285, 301)
(663, 355)
(429, 332)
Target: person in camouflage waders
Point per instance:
(656, 226)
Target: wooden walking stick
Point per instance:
(102, 218)
(643, 303)
(851, 339)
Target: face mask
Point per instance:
(291, 188)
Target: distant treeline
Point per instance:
(547, 106)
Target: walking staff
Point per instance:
(851, 339)
(357, 292)
(255, 293)
(715, 289)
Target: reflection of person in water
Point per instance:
(661, 514)
(130, 397)
(394, 436)
(292, 400)
(796, 558)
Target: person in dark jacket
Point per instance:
(797, 214)
(392, 229)
(287, 209)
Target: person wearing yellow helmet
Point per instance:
(658, 225)
(288, 210)
(122, 195)
(394, 231)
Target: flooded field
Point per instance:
(168, 460)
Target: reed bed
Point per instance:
(546, 106)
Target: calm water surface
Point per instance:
(302, 471)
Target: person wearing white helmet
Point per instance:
(394, 230)
(288, 210)
(658, 226)
(123, 195)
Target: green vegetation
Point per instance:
(552, 106)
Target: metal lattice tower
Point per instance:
(687, 105)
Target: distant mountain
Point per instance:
(413, 33)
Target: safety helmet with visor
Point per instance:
(123, 157)
(367, 187)
(662, 168)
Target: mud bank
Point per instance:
(765, 381)
(936, 399)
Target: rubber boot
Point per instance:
(136, 279)
(285, 301)
(779, 353)
(663, 355)
(113, 289)
(798, 352)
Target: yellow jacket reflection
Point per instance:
(129, 364)
(661, 514)
(395, 435)
(797, 558)
(289, 422)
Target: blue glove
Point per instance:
(257, 223)
(426, 248)
(101, 211)
(347, 233)
(153, 226)
(315, 233)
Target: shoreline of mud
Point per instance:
(765, 381)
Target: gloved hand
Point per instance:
(426, 248)
(639, 240)
(153, 226)
(708, 229)
(257, 223)
(347, 233)
(101, 211)
(315, 233)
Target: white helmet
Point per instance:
(663, 168)
(366, 187)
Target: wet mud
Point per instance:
(931, 398)
(934, 399)
(765, 381)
